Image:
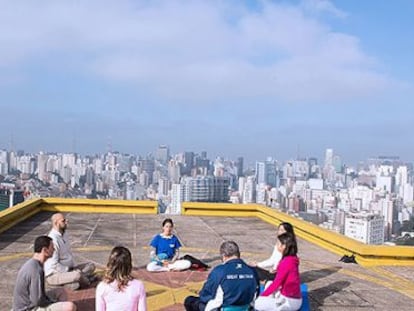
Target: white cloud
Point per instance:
(191, 51)
(323, 6)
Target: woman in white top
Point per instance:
(266, 269)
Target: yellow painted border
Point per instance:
(366, 255)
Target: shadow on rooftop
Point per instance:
(17, 232)
(320, 294)
(313, 275)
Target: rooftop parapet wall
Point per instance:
(367, 255)
(99, 206)
(13, 215)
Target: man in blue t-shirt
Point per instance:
(232, 283)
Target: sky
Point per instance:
(234, 78)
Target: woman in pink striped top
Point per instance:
(119, 291)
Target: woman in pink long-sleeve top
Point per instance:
(284, 292)
(119, 291)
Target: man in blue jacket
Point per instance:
(232, 283)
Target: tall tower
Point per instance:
(163, 154)
(239, 165)
(261, 172)
(328, 157)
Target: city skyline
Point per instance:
(252, 79)
(249, 163)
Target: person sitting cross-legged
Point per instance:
(29, 291)
(284, 292)
(266, 269)
(230, 284)
(165, 253)
(60, 269)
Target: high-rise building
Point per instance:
(4, 163)
(266, 173)
(174, 171)
(26, 164)
(389, 212)
(385, 182)
(10, 197)
(66, 174)
(144, 179)
(12, 161)
(364, 227)
(260, 173)
(249, 193)
(408, 193)
(148, 166)
(90, 177)
(206, 189)
(272, 176)
(163, 186)
(221, 189)
(261, 194)
(239, 165)
(177, 196)
(242, 184)
(188, 163)
(163, 154)
(300, 169)
(329, 157)
(41, 165)
(337, 164)
(401, 176)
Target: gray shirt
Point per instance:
(29, 291)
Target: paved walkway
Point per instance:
(332, 285)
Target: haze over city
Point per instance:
(250, 78)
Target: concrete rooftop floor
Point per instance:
(333, 285)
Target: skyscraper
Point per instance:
(4, 163)
(162, 154)
(177, 196)
(260, 172)
(239, 165)
(188, 163)
(41, 165)
(266, 172)
(328, 157)
(206, 189)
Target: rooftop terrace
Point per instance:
(96, 226)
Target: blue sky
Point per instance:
(250, 78)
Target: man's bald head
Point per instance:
(59, 222)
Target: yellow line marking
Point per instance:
(14, 256)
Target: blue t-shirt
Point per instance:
(165, 245)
